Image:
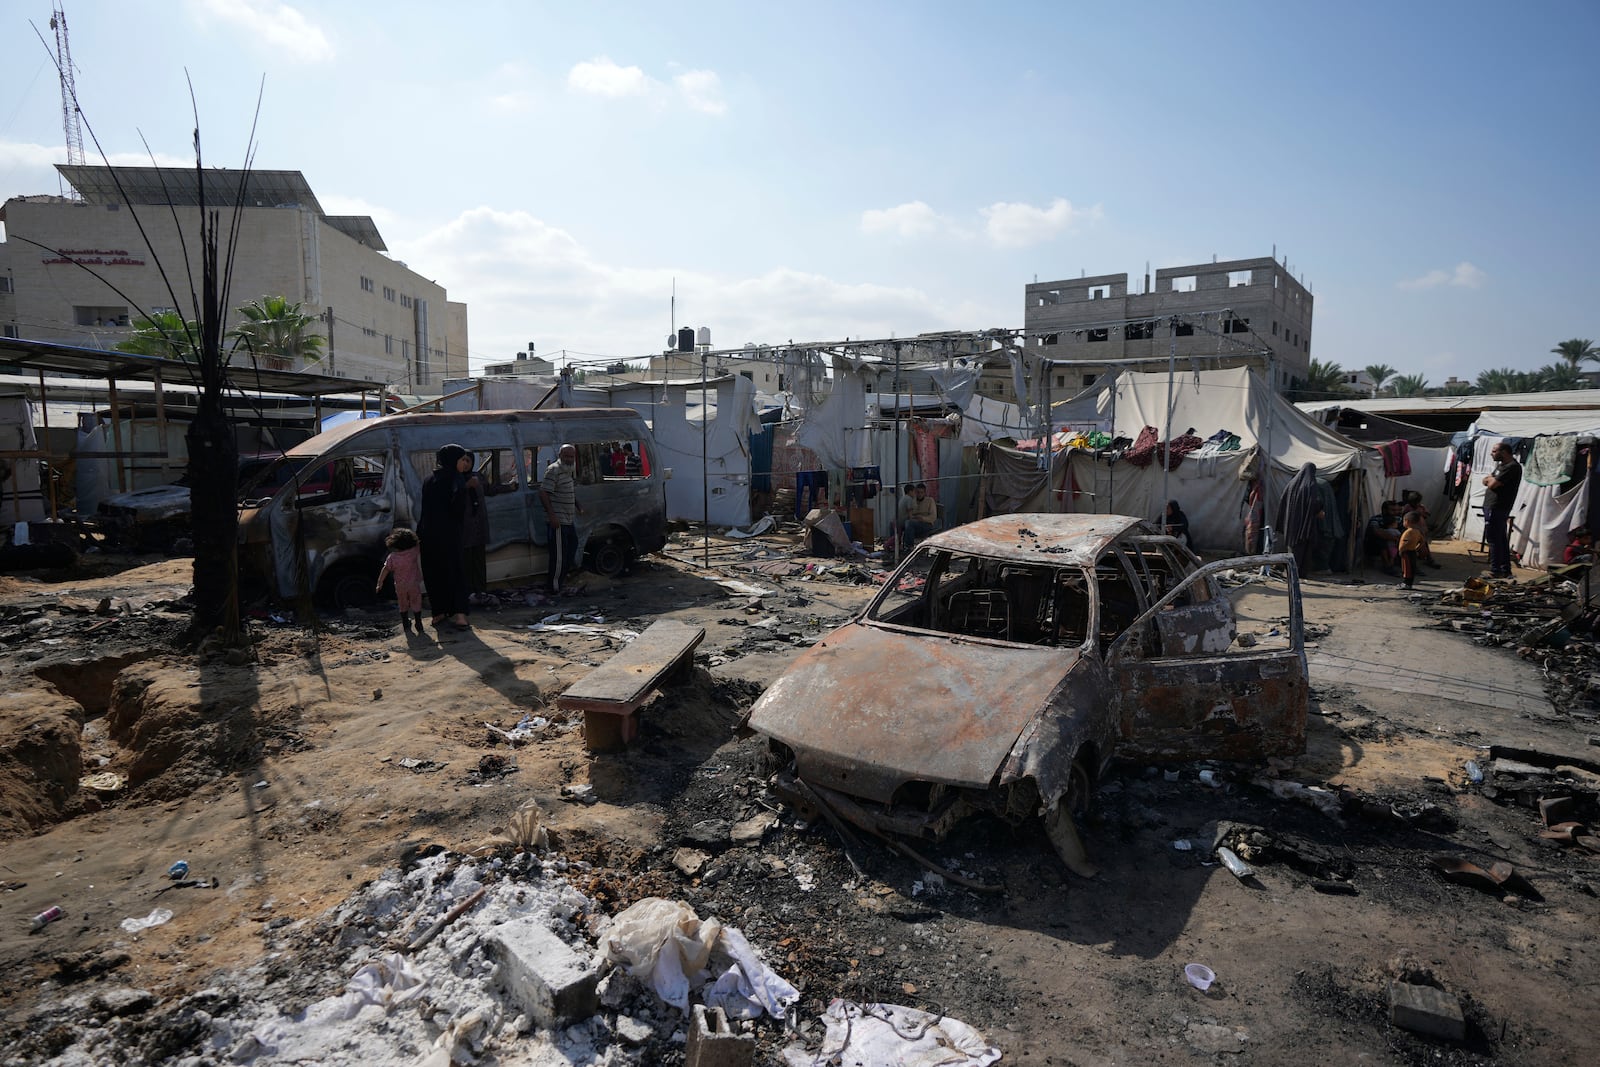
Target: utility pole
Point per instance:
(327, 316)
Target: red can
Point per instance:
(46, 917)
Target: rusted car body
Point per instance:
(353, 484)
(1006, 661)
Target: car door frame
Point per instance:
(1238, 704)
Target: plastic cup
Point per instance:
(1200, 976)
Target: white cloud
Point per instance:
(914, 219)
(698, 90)
(702, 91)
(1463, 276)
(524, 279)
(27, 169)
(354, 205)
(274, 23)
(1014, 225)
(603, 77)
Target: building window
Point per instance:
(1237, 278)
(1050, 339)
(388, 294)
(1185, 284)
(1183, 329)
(1235, 325)
(1099, 292)
(5, 283)
(405, 301)
(388, 345)
(1101, 334)
(100, 316)
(1061, 381)
(366, 284)
(1088, 380)
(405, 350)
(368, 331)
(1274, 327)
(1140, 331)
(8, 330)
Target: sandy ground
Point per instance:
(280, 774)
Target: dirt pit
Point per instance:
(337, 785)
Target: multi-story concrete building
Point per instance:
(81, 272)
(1234, 312)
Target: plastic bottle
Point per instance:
(1474, 772)
(178, 870)
(46, 917)
(1236, 866)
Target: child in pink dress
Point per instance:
(405, 563)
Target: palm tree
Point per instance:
(1323, 381)
(1379, 373)
(277, 332)
(1503, 380)
(1577, 350)
(1459, 388)
(164, 334)
(1410, 385)
(1560, 376)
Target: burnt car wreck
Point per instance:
(1006, 662)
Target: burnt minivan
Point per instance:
(353, 484)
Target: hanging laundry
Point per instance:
(1396, 458)
(926, 446)
(1550, 460)
(1144, 449)
(1181, 446)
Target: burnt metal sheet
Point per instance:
(1231, 707)
(867, 708)
(1051, 539)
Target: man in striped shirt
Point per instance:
(559, 493)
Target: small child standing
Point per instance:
(1411, 540)
(404, 561)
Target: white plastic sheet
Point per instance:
(666, 944)
(890, 1035)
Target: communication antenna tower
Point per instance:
(70, 122)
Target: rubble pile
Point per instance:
(1547, 620)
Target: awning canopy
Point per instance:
(20, 354)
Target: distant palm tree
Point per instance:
(278, 333)
(1577, 350)
(1560, 376)
(1323, 381)
(1409, 385)
(1504, 380)
(1379, 373)
(164, 334)
(1459, 388)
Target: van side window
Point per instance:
(621, 460)
(343, 479)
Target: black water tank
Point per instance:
(686, 339)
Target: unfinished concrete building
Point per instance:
(1233, 312)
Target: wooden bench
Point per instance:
(610, 695)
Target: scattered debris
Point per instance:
(891, 1033)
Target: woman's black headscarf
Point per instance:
(1297, 511)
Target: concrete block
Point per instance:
(542, 975)
(712, 1044)
(1426, 1010)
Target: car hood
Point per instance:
(157, 497)
(868, 708)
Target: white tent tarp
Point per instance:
(1210, 489)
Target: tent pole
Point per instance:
(1111, 484)
(1166, 452)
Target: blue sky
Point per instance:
(825, 170)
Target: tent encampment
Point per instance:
(1275, 440)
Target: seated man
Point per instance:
(922, 514)
(1383, 537)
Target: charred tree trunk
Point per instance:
(213, 457)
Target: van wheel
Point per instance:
(348, 587)
(609, 558)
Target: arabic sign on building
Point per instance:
(94, 257)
